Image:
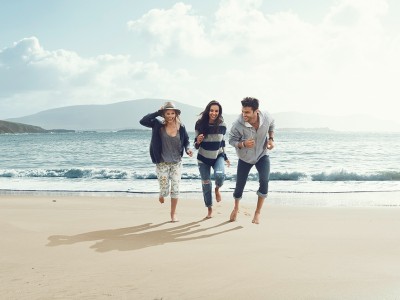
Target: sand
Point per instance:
(124, 247)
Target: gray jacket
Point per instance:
(242, 130)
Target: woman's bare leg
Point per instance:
(235, 211)
(174, 202)
(217, 194)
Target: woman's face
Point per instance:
(213, 113)
(169, 115)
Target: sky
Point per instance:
(330, 57)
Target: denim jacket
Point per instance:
(241, 131)
(156, 122)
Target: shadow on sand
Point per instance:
(139, 237)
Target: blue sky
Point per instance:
(328, 57)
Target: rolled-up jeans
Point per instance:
(205, 174)
(243, 170)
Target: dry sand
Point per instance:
(123, 247)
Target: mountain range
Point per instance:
(126, 115)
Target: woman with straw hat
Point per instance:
(168, 141)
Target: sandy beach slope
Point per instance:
(122, 247)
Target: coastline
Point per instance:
(102, 247)
(387, 198)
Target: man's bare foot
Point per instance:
(233, 216)
(209, 214)
(256, 219)
(161, 199)
(217, 194)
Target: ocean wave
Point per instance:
(351, 176)
(67, 173)
(121, 174)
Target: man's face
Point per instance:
(249, 115)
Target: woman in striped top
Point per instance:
(209, 131)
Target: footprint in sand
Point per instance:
(245, 212)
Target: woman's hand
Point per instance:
(228, 163)
(199, 139)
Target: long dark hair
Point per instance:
(202, 123)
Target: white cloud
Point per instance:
(240, 20)
(343, 65)
(26, 66)
(175, 28)
(347, 63)
(34, 79)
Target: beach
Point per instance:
(56, 246)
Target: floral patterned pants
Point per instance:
(166, 173)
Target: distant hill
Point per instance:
(116, 116)
(126, 115)
(11, 127)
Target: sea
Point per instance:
(303, 161)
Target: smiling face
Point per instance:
(169, 115)
(249, 115)
(213, 113)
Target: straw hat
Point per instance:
(170, 105)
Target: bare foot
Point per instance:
(256, 219)
(161, 199)
(217, 194)
(209, 214)
(174, 218)
(233, 216)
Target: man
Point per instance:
(252, 134)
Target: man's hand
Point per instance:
(270, 144)
(249, 143)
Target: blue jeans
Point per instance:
(205, 174)
(243, 170)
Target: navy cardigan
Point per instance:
(151, 121)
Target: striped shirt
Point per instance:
(213, 144)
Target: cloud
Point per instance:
(174, 28)
(239, 21)
(238, 27)
(26, 66)
(343, 64)
(35, 79)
